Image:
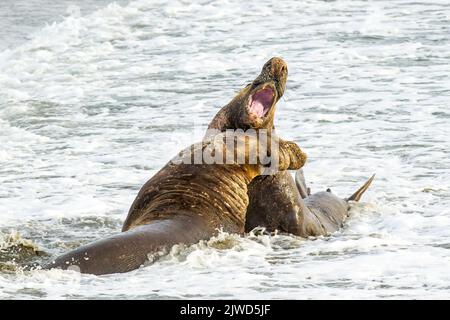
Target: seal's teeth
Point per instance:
(257, 108)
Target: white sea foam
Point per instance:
(93, 105)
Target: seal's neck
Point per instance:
(216, 191)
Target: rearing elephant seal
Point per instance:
(276, 201)
(185, 202)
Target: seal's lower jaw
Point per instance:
(260, 103)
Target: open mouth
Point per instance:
(261, 102)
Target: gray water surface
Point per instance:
(96, 97)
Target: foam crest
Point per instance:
(92, 106)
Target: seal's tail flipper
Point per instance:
(358, 194)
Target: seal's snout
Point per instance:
(276, 71)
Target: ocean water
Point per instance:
(95, 97)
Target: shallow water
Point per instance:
(94, 103)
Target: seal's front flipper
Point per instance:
(358, 194)
(301, 184)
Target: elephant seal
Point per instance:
(185, 202)
(277, 202)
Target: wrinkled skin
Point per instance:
(277, 202)
(182, 203)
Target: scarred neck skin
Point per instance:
(219, 192)
(216, 191)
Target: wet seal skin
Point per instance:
(277, 202)
(184, 202)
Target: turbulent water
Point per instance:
(96, 98)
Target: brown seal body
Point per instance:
(277, 202)
(182, 203)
